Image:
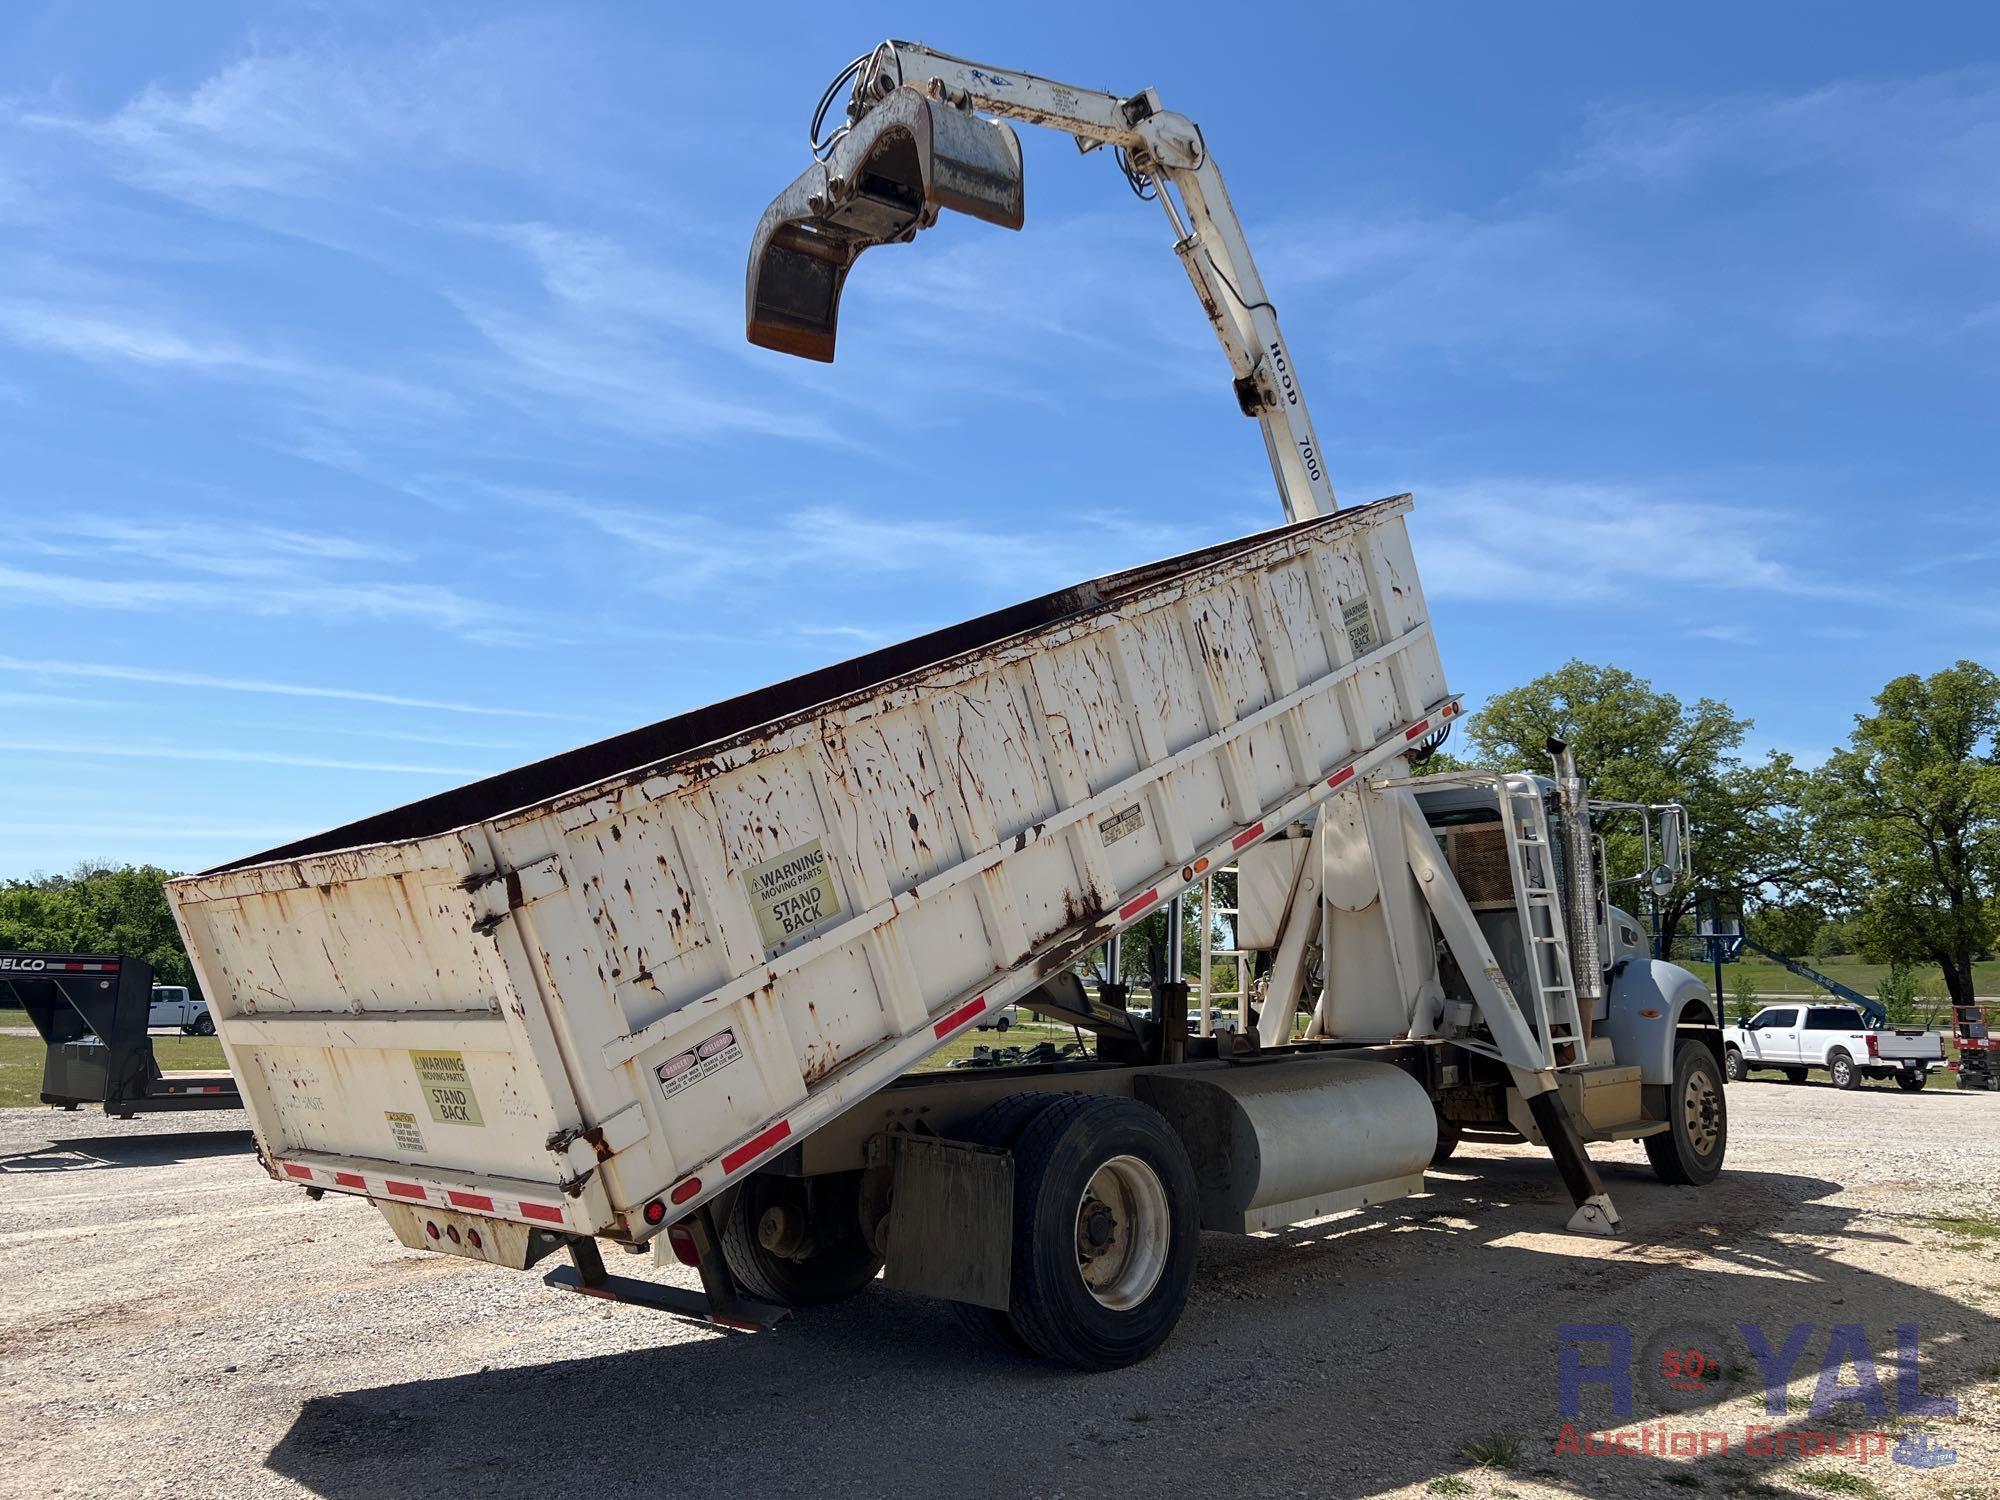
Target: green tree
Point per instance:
(1743, 1000)
(1790, 927)
(1636, 744)
(1907, 821)
(110, 909)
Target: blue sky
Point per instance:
(376, 412)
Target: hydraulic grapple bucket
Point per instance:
(907, 158)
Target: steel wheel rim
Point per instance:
(1122, 1233)
(1701, 1111)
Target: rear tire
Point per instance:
(1105, 1232)
(798, 1241)
(1840, 1063)
(1690, 1151)
(1002, 1024)
(1912, 1079)
(1000, 1125)
(1732, 1065)
(205, 1026)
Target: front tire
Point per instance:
(1841, 1065)
(798, 1241)
(1733, 1067)
(1690, 1151)
(1105, 1232)
(1449, 1135)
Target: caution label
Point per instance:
(403, 1129)
(447, 1087)
(705, 1059)
(1118, 825)
(1358, 615)
(792, 893)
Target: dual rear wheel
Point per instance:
(1105, 1229)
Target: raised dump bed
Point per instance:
(638, 970)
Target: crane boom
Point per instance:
(915, 142)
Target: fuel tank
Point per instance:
(1280, 1142)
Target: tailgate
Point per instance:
(380, 1044)
(1910, 1046)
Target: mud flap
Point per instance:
(951, 1222)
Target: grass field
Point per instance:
(21, 1062)
(1852, 972)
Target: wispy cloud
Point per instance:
(1514, 541)
(246, 569)
(1924, 145)
(693, 552)
(219, 754)
(172, 677)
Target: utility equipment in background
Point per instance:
(92, 1011)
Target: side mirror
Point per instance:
(1670, 841)
(1755, 1023)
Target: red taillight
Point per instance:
(430, 1229)
(655, 1211)
(1874, 1047)
(451, 1233)
(681, 1193)
(472, 1238)
(682, 1240)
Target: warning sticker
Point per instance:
(792, 893)
(703, 1060)
(1358, 615)
(403, 1129)
(1118, 825)
(447, 1088)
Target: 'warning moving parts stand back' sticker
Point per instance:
(447, 1087)
(791, 893)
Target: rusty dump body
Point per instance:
(644, 967)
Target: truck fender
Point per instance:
(1652, 1003)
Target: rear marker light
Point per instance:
(430, 1229)
(472, 1238)
(451, 1233)
(656, 1210)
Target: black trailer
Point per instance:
(91, 1011)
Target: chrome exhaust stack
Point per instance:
(886, 178)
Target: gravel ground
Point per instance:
(177, 1324)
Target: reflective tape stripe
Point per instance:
(951, 1022)
(756, 1146)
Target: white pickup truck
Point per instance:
(1795, 1037)
(173, 1005)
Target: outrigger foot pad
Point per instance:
(1595, 1215)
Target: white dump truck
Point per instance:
(668, 989)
